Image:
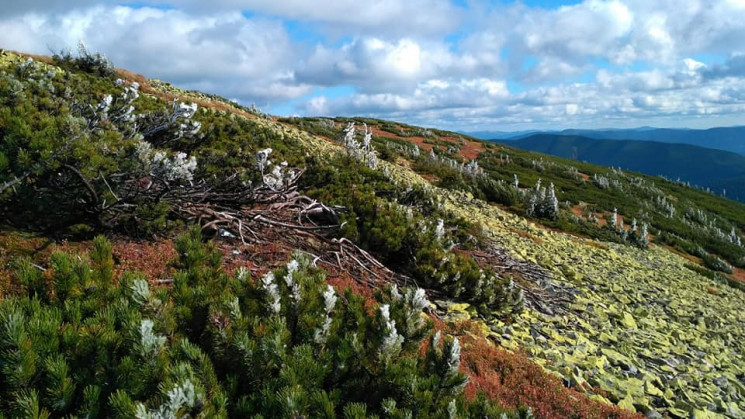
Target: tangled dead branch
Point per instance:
(274, 216)
(542, 292)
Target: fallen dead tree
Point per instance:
(293, 221)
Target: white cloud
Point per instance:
(224, 53)
(614, 99)
(18, 7)
(424, 61)
(733, 67)
(659, 32)
(375, 65)
(432, 95)
(392, 17)
(573, 32)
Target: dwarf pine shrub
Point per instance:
(88, 343)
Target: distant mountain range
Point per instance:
(723, 138)
(705, 167)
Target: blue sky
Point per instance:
(455, 64)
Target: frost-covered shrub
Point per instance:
(179, 167)
(172, 167)
(182, 397)
(93, 63)
(217, 347)
(150, 342)
(392, 341)
(362, 151)
(542, 203)
(274, 176)
(716, 264)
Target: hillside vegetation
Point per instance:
(354, 267)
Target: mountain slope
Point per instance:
(245, 323)
(631, 316)
(375, 204)
(700, 166)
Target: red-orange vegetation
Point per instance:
(343, 281)
(468, 149)
(151, 258)
(525, 234)
(578, 211)
(513, 380)
(416, 140)
(739, 275)
(433, 179)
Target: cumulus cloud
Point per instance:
(659, 32)
(17, 7)
(392, 17)
(591, 28)
(613, 99)
(431, 95)
(225, 53)
(434, 62)
(375, 65)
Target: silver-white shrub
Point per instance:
(440, 230)
(274, 176)
(329, 302)
(150, 342)
(140, 291)
(363, 151)
(172, 167)
(272, 291)
(293, 285)
(454, 357)
(178, 167)
(415, 302)
(392, 341)
(181, 396)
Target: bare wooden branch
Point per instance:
(85, 182)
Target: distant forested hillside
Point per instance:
(721, 138)
(708, 168)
